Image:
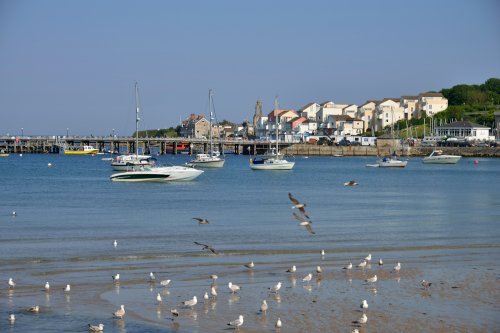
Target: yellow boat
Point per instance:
(3, 155)
(85, 150)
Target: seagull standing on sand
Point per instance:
(192, 302)
(205, 297)
(96, 328)
(214, 278)
(263, 307)
(397, 268)
(201, 220)
(116, 277)
(364, 304)
(278, 325)
(292, 269)
(233, 287)
(250, 265)
(275, 288)
(151, 276)
(158, 298)
(362, 264)
(115, 243)
(322, 253)
(174, 313)
(305, 223)
(213, 292)
(362, 320)
(348, 266)
(298, 205)
(307, 278)
(14, 213)
(368, 257)
(373, 279)
(120, 312)
(319, 270)
(236, 323)
(47, 286)
(12, 284)
(355, 330)
(380, 262)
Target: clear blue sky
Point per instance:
(72, 64)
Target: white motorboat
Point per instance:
(212, 159)
(272, 160)
(133, 161)
(157, 174)
(437, 157)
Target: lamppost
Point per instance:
(67, 131)
(113, 132)
(22, 131)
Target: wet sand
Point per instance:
(463, 296)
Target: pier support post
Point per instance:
(174, 149)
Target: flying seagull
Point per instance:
(298, 205)
(207, 247)
(201, 220)
(305, 223)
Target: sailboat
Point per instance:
(393, 161)
(212, 159)
(273, 160)
(133, 161)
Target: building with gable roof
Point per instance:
(431, 103)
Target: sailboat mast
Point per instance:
(276, 122)
(210, 129)
(136, 118)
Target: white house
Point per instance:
(351, 110)
(410, 107)
(367, 113)
(388, 111)
(464, 130)
(431, 103)
(309, 111)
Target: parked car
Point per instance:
(343, 142)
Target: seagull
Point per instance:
(319, 270)
(34, 309)
(115, 243)
(236, 323)
(201, 221)
(151, 276)
(278, 325)
(213, 292)
(275, 288)
(250, 265)
(362, 264)
(214, 277)
(373, 279)
(49, 164)
(355, 330)
(120, 312)
(348, 266)
(350, 183)
(425, 284)
(174, 312)
(207, 247)
(96, 328)
(164, 283)
(67, 288)
(298, 205)
(362, 320)
(12, 284)
(322, 253)
(158, 298)
(380, 262)
(263, 306)
(368, 257)
(47, 286)
(397, 268)
(364, 304)
(305, 223)
(307, 278)
(233, 287)
(14, 213)
(116, 277)
(12, 318)
(292, 269)
(192, 302)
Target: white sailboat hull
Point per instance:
(392, 163)
(207, 161)
(272, 164)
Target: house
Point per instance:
(351, 110)
(196, 126)
(464, 130)
(367, 113)
(309, 111)
(346, 125)
(409, 105)
(388, 112)
(431, 103)
(328, 108)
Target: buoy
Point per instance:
(20, 155)
(49, 165)
(476, 162)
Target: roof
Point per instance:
(390, 99)
(462, 124)
(370, 101)
(322, 104)
(306, 106)
(349, 106)
(410, 97)
(343, 117)
(431, 94)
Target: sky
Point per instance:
(70, 66)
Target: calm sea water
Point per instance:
(69, 214)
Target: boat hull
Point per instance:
(392, 164)
(160, 174)
(209, 163)
(443, 159)
(76, 152)
(272, 164)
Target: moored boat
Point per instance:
(437, 157)
(83, 150)
(157, 174)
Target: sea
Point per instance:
(434, 219)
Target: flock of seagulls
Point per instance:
(305, 221)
